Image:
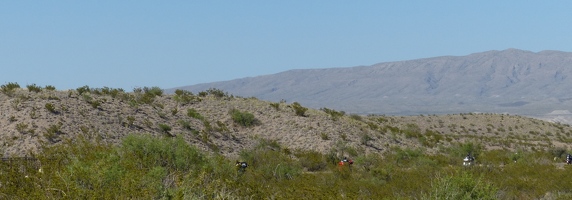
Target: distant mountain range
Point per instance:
(511, 81)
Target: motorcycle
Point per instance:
(468, 161)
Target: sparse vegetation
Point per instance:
(137, 145)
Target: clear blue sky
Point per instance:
(128, 44)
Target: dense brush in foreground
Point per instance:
(147, 167)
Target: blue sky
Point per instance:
(128, 44)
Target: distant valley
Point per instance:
(512, 81)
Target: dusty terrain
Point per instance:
(31, 119)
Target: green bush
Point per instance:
(83, 89)
(191, 112)
(335, 115)
(276, 106)
(311, 160)
(461, 185)
(184, 97)
(34, 88)
(243, 118)
(217, 93)
(299, 109)
(9, 88)
(153, 91)
(165, 128)
(50, 107)
(171, 153)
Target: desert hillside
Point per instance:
(219, 122)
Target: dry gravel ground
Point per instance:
(26, 123)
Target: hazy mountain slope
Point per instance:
(513, 81)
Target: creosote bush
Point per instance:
(335, 115)
(34, 88)
(299, 109)
(243, 118)
(9, 88)
(50, 107)
(191, 112)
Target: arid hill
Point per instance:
(218, 122)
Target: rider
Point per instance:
(241, 166)
(344, 162)
(568, 158)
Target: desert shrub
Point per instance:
(146, 98)
(130, 121)
(461, 185)
(155, 91)
(191, 112)
(184, 97)
(34, 88)
(185, 124)
(557, 151)
(270, 163)
(94, 103)
(50, 107)
(243, 118)
(460, 150)
(12, 118)
(324, 136)
(9, 88)
(217, 93)
(365, 138)
(113, 92)
(432, 138)
(412, 131)
(311, 160)
(299, 109)
(407, 156)
(276, 106)
(356, 117)
(52, 132)
(171, 153)
(50, 87)
(335, 115)
(164, 128)
(21, 127)
(221, 127)
(83, 89)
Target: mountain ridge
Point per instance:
(508, 81)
